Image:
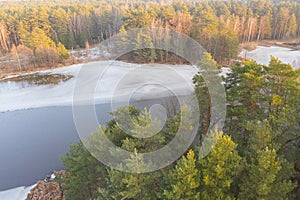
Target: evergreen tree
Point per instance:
(59, 22)
(184, 179)
(203, 95)
(243, 89)
(140, 186)
(124, 185)
(136, 18)
(144, 44)
(85, 174)
(263, 178)
(219, 169)
(282, 90)
(62, 52)
(38, 38)
(293, 26)
(122, 44)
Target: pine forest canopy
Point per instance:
(218, 25)
(256, 158)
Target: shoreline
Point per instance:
(290, 43)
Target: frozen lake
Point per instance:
(36, 119)
(33, 140)
(262, 55)
(117, 81)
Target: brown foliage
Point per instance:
(46, 56)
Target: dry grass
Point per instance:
(7, 70)
(249, 46)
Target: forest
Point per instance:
(37, 33)
(255, 157)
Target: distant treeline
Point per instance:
(218, 25)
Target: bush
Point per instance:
(46, 56)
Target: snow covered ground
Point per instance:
(225, 71)
(262, 55)
(19, 193)
(93, 53)
(118, 81)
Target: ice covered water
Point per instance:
(36, 113)
(55, 87)
(262, 55)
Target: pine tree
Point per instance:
(144, 44)
(137, 18)
(292, 27)
(59, 23)
(184, 180)
(282, 89)
(203, 95)
(123, 41)
(263, 177)
(138, 186)
(84, 175)
(219, 169)
(62, 52)
(243, 89)
(38, 38)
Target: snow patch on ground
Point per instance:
(93, 53)
(262, 55)
(225, 71)
(19, 193)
